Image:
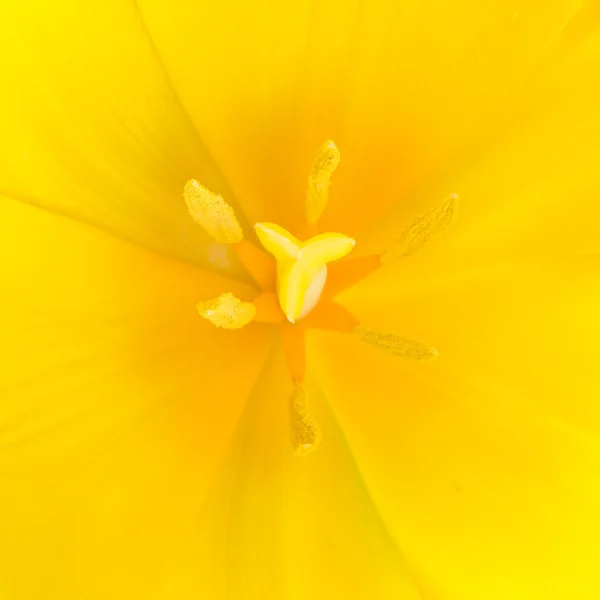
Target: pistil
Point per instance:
(301, 266)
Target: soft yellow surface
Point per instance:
(483, 463)
(92, 127)
(118, 403)
(145, 453)
(404, 89)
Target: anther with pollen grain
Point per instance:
(227, 311)
(319, 180)
(422, 229)
(396, 345)
(305, 433)
(212, 213)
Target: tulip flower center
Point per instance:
(299, 281)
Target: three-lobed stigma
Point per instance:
(301, 266)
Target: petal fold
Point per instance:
(268, 527)
(483, 463)
(93, 129)
(118, 403)
(404, 88)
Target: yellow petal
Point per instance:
(272, 518)
(118, 402)
(402, 88)
(484, 462)
(92, 128)
(534, 192)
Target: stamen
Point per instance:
(422, 229)
(227, 311)
(305, 433)
(293, 340)
(267, 308)
(214, 215)
(331, 316)
(319, 180)
(393, 344)
(258, 263)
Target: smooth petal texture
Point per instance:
(92, 128)
(534, 191)
(484, 464)
(402, 87)
(118, 402)
(280, 527)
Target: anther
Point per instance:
(227, 311)
(212, 212)
(422, 229)
(319, 180)
(393, 344)
(305, 433)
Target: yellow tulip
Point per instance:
(146, 451)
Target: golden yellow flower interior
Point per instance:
(299, 280)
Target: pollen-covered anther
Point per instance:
(422, 229)
(227, 311)
(305, 433)
(319, 180)
(393, 344)
(211, 211)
